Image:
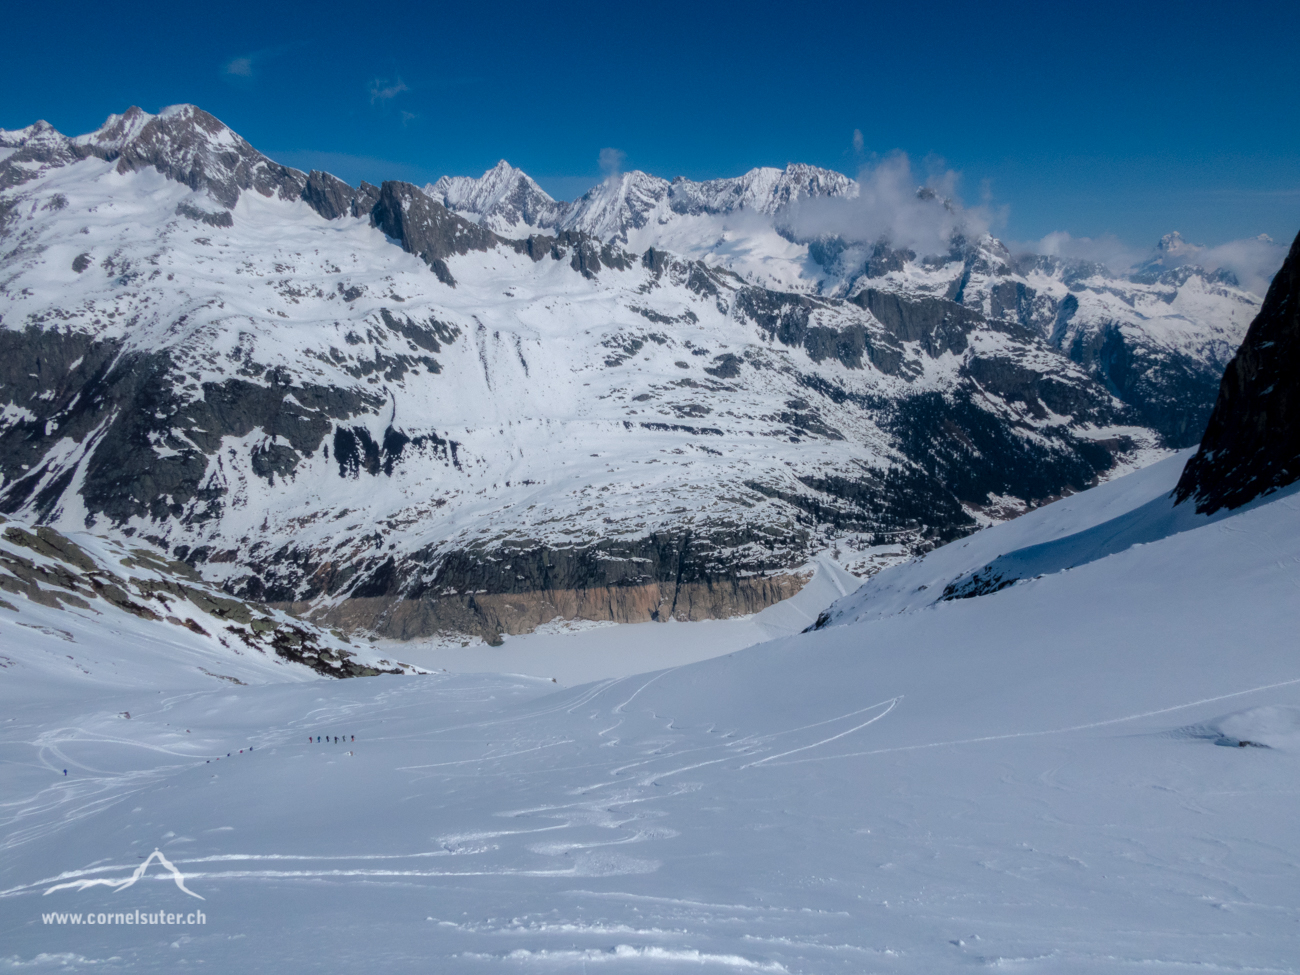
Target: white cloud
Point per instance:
(241, 67)
(611, 162)
(892, 205)
(1106, 249)
(1252, 260)
(384, 89)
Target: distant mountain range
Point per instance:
(507, 201)
(470, 408)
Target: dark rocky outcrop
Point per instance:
(332, 198)
(1252, 443)
(122, 407)
(939, 326)
(222, 219)
(426, 228)
(328, 195)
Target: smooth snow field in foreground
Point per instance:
(1054, 777)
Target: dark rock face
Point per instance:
(1173, 395)
(940, 325)
(426, 228)
(972, 454)
(328, 195)
(1252, 444)
(87, 381)
(364, 202)
(332, 198)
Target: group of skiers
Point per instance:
(345, 738)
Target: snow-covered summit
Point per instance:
(508, 201)
(505, 200)
(765, 190)
(117, 132)
(182, 142)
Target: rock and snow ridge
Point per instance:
(501, 421)
(85, 610)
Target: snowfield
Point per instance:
(1054, 777)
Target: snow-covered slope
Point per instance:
(1053, 778)
(356, 403)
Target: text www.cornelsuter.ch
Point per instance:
(126, 917)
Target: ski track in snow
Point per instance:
(813, 804)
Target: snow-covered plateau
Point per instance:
(1092, 769)
(470, 410)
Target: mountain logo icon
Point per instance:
(129, 881)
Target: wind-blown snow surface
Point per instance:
(1032, 780)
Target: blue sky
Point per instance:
(1129, 119)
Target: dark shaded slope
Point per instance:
(1252, 444)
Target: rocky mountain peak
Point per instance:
(1252, 444)
(1175, 244)
(1172, 252)
(38, 132)
(27, 153)
(763, 190)
(504, 199)
(187, 144)
(619, 204)
(426, 228)
(116, 133)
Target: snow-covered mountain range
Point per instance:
(472, 408)
(508, 201)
